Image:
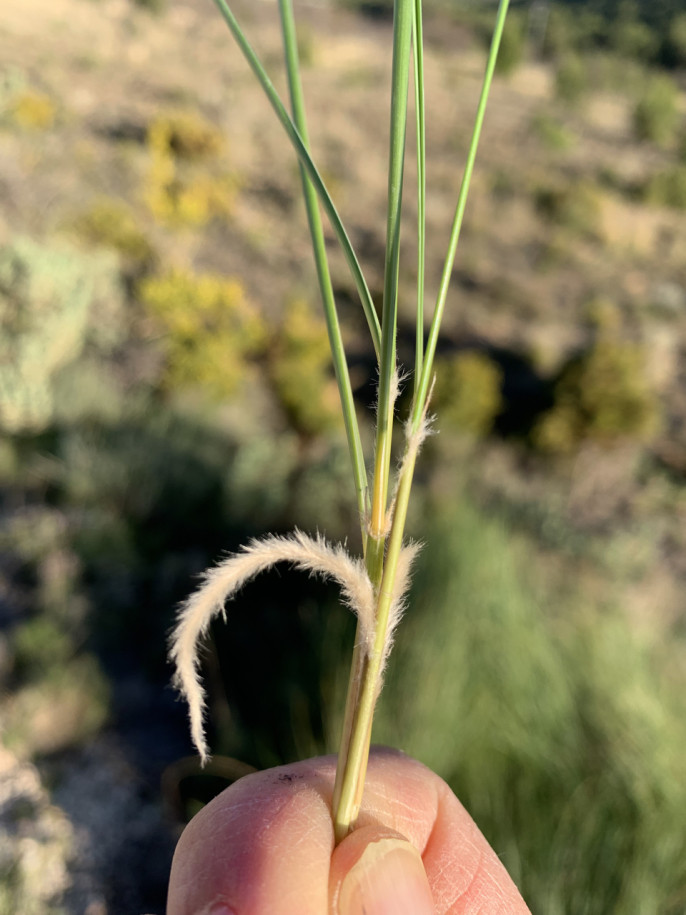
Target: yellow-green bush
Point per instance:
(111, 224)
(189, 203)
(603, 396)
(467, 394)
(208, 328)
(300, 371)
(185, 135)
(32, 110)
(177, 192)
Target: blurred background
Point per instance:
(166, 393)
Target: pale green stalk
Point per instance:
(312, 171)
(402, 40)
(354, 748)
(319, 248)
(425, 380)
(351, 771)
(333, 326)
(420, 113)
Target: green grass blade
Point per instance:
(319, 248)
(420, 112)
(402, 41)
(432, 340)
(310, 167)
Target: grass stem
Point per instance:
(319, 249)
(420, 114)
(366, 674)
(354, 750)
(425, 379)
(402, 41)
(312, 171)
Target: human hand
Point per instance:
(265, 846)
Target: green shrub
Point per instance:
(553, 134)
(573, 206)
(209, 329)
(630, 37)
(603, 396)
(668, 188)
(467, 393)
(301, 373)
(40, 645)
(571, 31)
(512, 46)
(52, 301)
(111, 224)
(656, 115)
(571, 79)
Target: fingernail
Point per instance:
(218, 908)
(388, 879)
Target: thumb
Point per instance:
(379, 873)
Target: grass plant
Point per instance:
(375, 582)
(570, 723)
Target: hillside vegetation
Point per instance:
(166, 393)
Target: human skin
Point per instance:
(265, 846)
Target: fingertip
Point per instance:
(378, 872)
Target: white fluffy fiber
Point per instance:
(220, 583)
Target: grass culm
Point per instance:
(382, 502)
